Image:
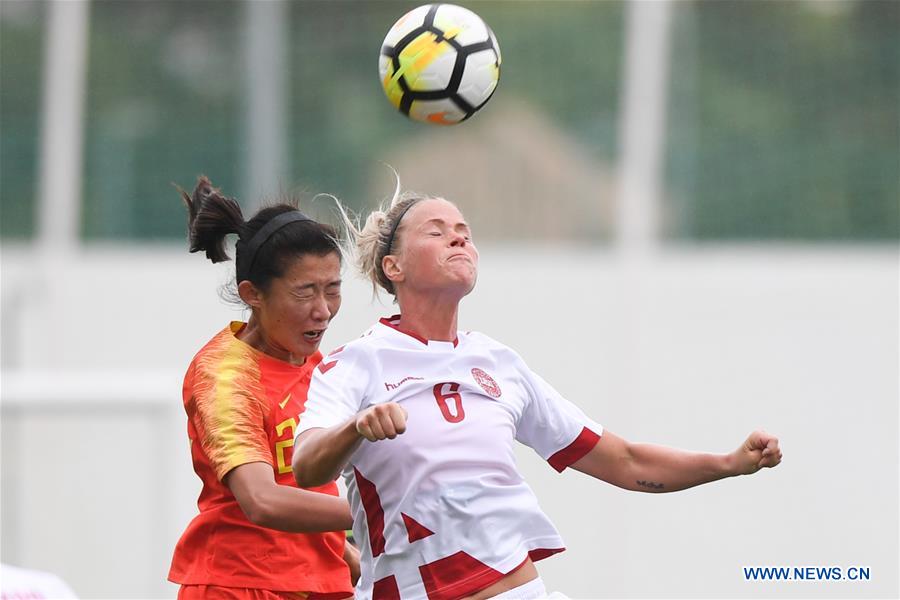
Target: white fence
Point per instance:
(693, 349)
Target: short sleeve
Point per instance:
(337, 390)
(554, 427)
(226, 407)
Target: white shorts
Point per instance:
(533, 590)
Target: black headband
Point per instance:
(262, 236)
(390, 239)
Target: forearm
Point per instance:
(320, 454)
(283, 507)
(300, 511)
(652, 468)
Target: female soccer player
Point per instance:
(257, 535)
(423, 417)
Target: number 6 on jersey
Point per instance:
(443, 398)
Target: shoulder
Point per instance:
(366, 345)
(225, 357)
(360, 351)
(361, 346)
(477, 337)
(225, 341)
(480, 341)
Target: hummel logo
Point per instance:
(394, 386)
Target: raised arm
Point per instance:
(320, 454)
(651, 468)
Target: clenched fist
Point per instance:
(382, 421)
(760, 450)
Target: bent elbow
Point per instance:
(305, 479)
(298, 477)
(304, 469)
(301, 475)
(259, 512)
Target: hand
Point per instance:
(760, 450)
(351, 557)
(382, 421)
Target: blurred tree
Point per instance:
(784, 120)
(21, 55)
(164, 105)
(566, 62)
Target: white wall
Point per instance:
(694, 349)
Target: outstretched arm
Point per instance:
(320, 454)
(651, 468)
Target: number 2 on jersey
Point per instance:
(443, 403)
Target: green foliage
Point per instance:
(164, 106)
(783, 116)
(20, 82)
(784, 120)
(563, 57)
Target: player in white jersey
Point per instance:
(422, 418)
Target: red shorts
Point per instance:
(216, 592)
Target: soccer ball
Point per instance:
(439, 64)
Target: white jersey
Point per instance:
(441, 511)
(17, 583)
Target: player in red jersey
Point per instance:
(258, 535)
(422, 419)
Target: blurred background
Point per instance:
(688, 216)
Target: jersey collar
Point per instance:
(392, 322)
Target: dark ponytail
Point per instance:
(211, 216)
(258, 258)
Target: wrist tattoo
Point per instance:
(650, 484)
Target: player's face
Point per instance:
(436, 250)
(298, 306)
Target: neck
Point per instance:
(432, 319)
(254, 336)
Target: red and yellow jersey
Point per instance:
(242, 407)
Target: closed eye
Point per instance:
(304, 293)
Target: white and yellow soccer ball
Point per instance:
(440, 64)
